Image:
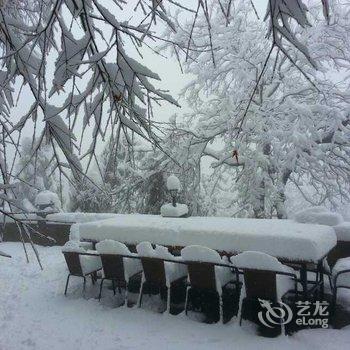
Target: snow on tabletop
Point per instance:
(168, 210)
(79, 217)
(318, 215)
(343, 231)
(280, 238)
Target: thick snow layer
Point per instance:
(173, 183)
(168, 210)
(343, 231)
(280, 238)
(260, 261)
(79, 217)
(48, 198)
(318, 215)
(342, 265)
(34, 314)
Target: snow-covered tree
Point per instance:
(36, 173)
(297, 129)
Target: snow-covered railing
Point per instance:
(284, 239)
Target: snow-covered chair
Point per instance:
(157, 272)
(80, 265)
(264, 278)
(341, 277)
(205, 272)
(117, 268)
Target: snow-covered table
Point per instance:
(283, 239)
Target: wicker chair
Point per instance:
(341, 277)
(80, 265)
(117, 268)
(205, 272)
(157, 272)
(264, 278)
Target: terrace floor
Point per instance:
(34, 314)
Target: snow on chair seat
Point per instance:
(158, 272)
(116, 268)
(204, 272)
(80, 265)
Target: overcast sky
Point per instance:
(167, 68)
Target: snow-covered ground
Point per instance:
(34, 314)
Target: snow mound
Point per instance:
(343, 231)
(73, 247)
(49, 199)
(108, 246)
(318, 215)
(173, 183)
(259, 261)
(200, 253)
(168, 210)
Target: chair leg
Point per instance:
(221, 308)
(113, 285)
(168, 300)
(65, 290)
(126, 295)
(100, 294)
(334, 299)
(140, 295)
(186, 300)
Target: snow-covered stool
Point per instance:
(205, 272)
(341, 277)
(80, 265)
(157, 272)
(264, 278)
(116, 267)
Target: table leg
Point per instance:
(303, 280)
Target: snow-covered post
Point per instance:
(173, 209)
(47, 202)
(173, 185)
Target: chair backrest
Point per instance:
(112, 262)
(340, 251)
(153, 266)
(73, 263)
(260, 284)
(113, 267)
(202, 275)
(259, 271)
(154, 271)
(201, 265)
